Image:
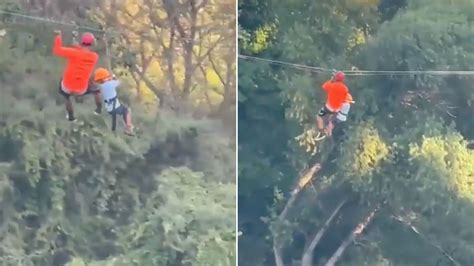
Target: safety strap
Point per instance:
(343, 114)
(113, 101)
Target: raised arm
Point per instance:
(327, 85)
(61, 51)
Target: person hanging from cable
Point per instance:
(340, 116)
(108, 86)
(337, 96)
(76, 79)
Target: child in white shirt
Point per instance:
(108, 86)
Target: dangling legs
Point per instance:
(331, 124)
(320, 123)
(127, 119)
(98, 103)
(320, 118)
(70, 110)
(337, 117)
(68, 103)
(93, 89)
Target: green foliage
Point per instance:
(79, 194)
(404, 144)
(187, 211)
(362, 165)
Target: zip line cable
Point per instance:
(51, 21)
(92, 29)
(359, 72)
(97, 30)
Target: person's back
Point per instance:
(109, 94)
(337, 93)
(79, 70)
(79, 67)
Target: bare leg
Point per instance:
(127, 118)
(67, 102)
(70, 110)
(320, 123)
(330, 126)
(98, 102)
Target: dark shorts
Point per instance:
(121, 110)
(336, 121)
(90, 89)
(324, 111)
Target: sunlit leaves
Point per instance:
(161, 42)
(260, 40)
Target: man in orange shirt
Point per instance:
(76, 79)
(337, 96)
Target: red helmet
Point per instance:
(339, 76)
(87, 39)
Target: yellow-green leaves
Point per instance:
(363, 152)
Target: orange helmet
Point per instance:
(101, 74)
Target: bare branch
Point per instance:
(307, 259)
(216, 69)
(307, 175)
(351, 237)
(417, 232)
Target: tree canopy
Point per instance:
(79, 194)
(395, 184)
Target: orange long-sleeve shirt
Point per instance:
(80, 65)
(338, 94)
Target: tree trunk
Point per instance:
(277, 247)
(352, 236)
(278, 257)
(170, 54)
(164, 101)
(307, 176)
(172, 14)
(229, 90)
(188, 45)
(307, 259)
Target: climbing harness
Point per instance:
(113, 101)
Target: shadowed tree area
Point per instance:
(395, 183)
(78, 194)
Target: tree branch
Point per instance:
(216, 70)
(307, 259)
(351, 237)
(159, 93)
(417, 232)
(277, 247)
